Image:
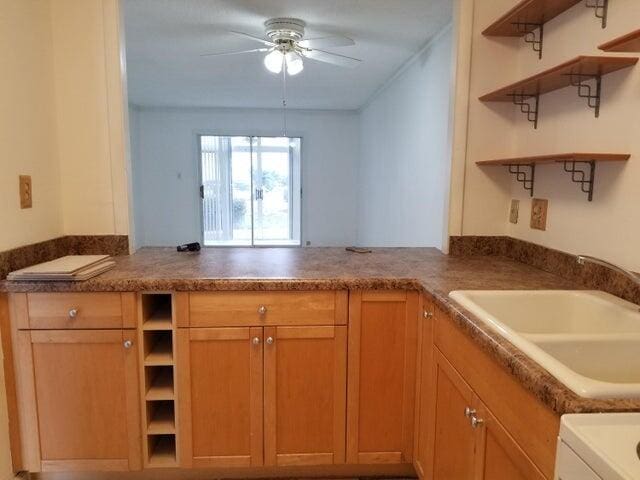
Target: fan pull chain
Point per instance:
(284, 98)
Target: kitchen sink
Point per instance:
(609, 366)
(572, 312)
(587, 339)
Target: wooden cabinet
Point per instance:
(468, 442)
(79, 399)
(220, 372)
(424, 369)
(531, 426)
(458, 382)
(225, 420)
(240, 309)
(223, 383)
(381, 376)
(75, 310)
(453, 440)
(497, 453)
(252, 395)
(469, 422)
(305, 395)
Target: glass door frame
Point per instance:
(198, 152)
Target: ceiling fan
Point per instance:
(286, 47)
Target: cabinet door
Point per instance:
(452, 443)
(424, 390)
(220, 397)
(85, 386)
(305, 395)
(381, 376)
(498, 456)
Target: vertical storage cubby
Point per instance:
(157, 334)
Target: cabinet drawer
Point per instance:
(231, 309)
(80, 310)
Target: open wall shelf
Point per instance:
(157, 337)
(530, 12)
(527, 19)
(581, 167)
(626, 43)
(583, 72)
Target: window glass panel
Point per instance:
(250, 190)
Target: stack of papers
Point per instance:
(71, 268)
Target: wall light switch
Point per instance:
(26, 194)
(539, 214)
(513, 213)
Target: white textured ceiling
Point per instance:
(165, 38)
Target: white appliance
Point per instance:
(599, 446)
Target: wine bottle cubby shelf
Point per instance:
(157, 337)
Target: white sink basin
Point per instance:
(588, 340)
(574, 312)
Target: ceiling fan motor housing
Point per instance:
(285, 30)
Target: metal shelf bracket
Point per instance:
(582, 173)
(585, 90)
(600, 8)
(528, 107)
(525, 174)
(534, 34)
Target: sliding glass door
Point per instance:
(250, 190)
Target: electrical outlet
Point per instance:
(539, 213)
(26, 194)
(515, 209)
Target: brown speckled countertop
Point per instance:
(423, 269)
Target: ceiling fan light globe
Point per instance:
(294, 63)
(273, 61)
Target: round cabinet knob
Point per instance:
(469, 411)
(256, 340)
(262, 309)
(427, 314)
(73, 313)
(476, 422)
(128, 344)
(269, 340)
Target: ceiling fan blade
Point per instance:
(325, 42)
(221, 54)
(333, 58)
(253, 37)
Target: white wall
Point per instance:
(90, 109)
(608, 227)
(27, 124)
(165, 169)
(27, 145)
(62, 119)
(405, 154)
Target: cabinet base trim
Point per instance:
(293, 459)
(379, 457)
(404, 470)
(110, 465)
(222, 461)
